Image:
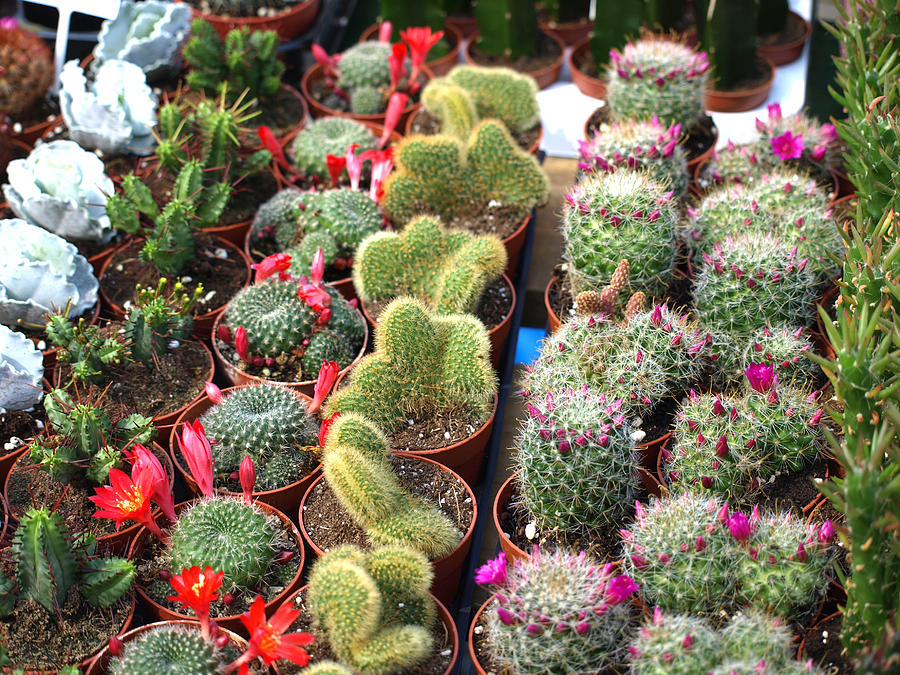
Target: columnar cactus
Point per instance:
(267, 423)
(726, 31)
(447, 269)
(174, 649)
(657, 76)
(374, 608)
(21, 371)
(356, 462)
(783, 348)
(423, 362)
(577, 460)
(619, 215)
(448, 177)
(751, 281)
(327, 136)
(508, 28)
(640, 146)
(556, 612)
(26, 68)
(689, 553)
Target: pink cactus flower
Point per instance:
(787, 146)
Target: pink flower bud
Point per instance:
(801, 552)
(687, 643)
(706, 482)
(700, 544)
(722, 446)
(214, 393)
(506, 617)
(115, 646)
(739, 526)
(826, 532)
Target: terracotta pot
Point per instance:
(741, 99)
(587, 85)
(50, 354)
(230, 622)
(238, 377)
(845, 187)
(203, 323)
(317, 109)
(570, 32)
(447, 570)
(787, 52)
(703, 157)
(533, 149)
(99, 663)
(544, 76)
(110, 544)
(476, 664)
(603, 112)
(438, 67)
(288, 24)
(554, 321)
(514, 243)
(466, 26)
(283, 499)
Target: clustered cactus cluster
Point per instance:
(785, 349)
(26, 68)
(327, 136)
(175, 646)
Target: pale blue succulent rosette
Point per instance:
(21, 370)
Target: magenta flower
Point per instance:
(774, 110)
(762, 377)
(620, 588)
(493, 572)
(739, 526)
(787, 146)
(826, 532)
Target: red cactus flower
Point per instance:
(328, 63)
(787, 146)
(277, 262)
(335, 168)
(325, 427)
(247, 474)
(144, 461)
(242, 343)
(395, 107)
(197, 453)
(385, 31)
(270, 143)
(420, 41)
(267, 638)
(126, 499)
(328, 374)
(397, 63)
(354, 165)
(762, 377)
(382, 163)
(195, 589)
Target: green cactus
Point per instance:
(422, 363)
(227, 534)
(726, 29)
(560, 11)
(281, 210)
(391, 264)
(821, 147)
(615, 216)
(452, 106)
(773, 16)
(327, 668)
(444, 176)
(577, 461)
(168, 649)
(267, 423)
(90, 353)
(690, 554)
(157, 318)
(612, 27)
(657, 76)
(783, 348)
(508, 28)
(640, 146)
(365, 64)
(665, 14)
(360, 475)
(559, 613)
(496, 93)
(304, 253)
(404, 14)
(374, 608)
(366, 101)
(246, 61)
(752, 281)
(328, 136)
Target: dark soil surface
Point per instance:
(823, 645)
(439, 430)
(282, 113)
(425, 123)
(493, 218)
(329, 525)
(548, 53)
(42, 111)
(793, 490)
(18, 426)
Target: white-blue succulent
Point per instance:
(21, 370)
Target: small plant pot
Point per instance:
(781, 54)
(467, 26)
(553, 320)
(288, 24)
(100, 663)
(504, 495)
(438, 67)
(231, 622)
(740, 100)
(284, 499)
(570, 32)
(543, 76)
(238, 377)
(447, 570)
(532, 149)
(587, 84)
(514, 243)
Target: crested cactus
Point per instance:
(577, 459)
(391, 264)
(556, 612)
(783, 348)
(373, 608)
(423, 362)
(619, 215)
(657, 76)
(26, 68)
(21, 371)
(640, 146)
(448, 177)
(244, 540)
(168, 649)
(508, 28)
(356, 463)
(751, 281)
(267, 423)
(327, 136)
(689, 553)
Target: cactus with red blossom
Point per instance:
(557, 612)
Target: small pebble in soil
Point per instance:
(119, 268)
(479, 630)
(187, 279)
(530, 530)
(41, 345)
(220, 253)
(447, 434)
(637, 436)
(17, 127)
(173, 344)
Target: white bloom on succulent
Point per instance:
(21, 370)
(63, 188)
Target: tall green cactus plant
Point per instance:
(772, 16)
(664, 14)
(614, 23)
(508, 27)
(404, 14)
(726, 34)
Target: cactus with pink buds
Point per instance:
(750, 281)
(619, 215)
(578, 460)
(657, 76)
(819, 144)
(690, 553)
(557, 613)
(783, 348)
(638, 146)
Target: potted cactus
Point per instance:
(288, 18)
(283, 329)
(62, 600)
(324, 137)
(425, 18)
(454, 104)
(566, 19)
(21, 374)
(781, 33)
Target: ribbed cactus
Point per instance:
(357, 465)
(246, 61)
(269, 424)
(751, 281)
(657, 76)
(783, 348)
(423, 362)
(447, 269)
(726, 31)
(226, 534)
(729, 444)
(157, 318)
(26, 68)
(556, 612)
(168, 649)
(365, 64)
(508, 28)
(640, 146)
(445, 176)
(577, 461)
(689, 553)
(374, 608)
(328, 136)
(619, 215)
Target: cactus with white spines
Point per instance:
(783, 348)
